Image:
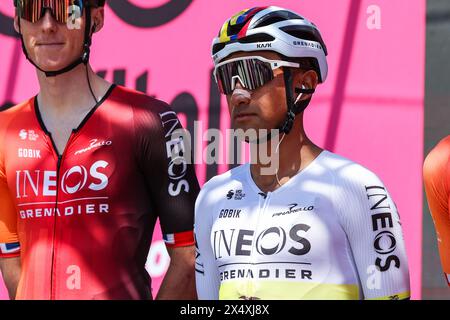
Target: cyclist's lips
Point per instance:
(242, 116)
(49, 44)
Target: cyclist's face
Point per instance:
(53, 45)
(263, 108)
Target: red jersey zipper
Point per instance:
(58, 169)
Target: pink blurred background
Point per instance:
(370, 109)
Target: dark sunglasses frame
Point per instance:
(252, 72)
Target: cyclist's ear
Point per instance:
(98, 18)
(309, 79)
(16, 23)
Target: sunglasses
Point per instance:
(252, 72)
(62, 10)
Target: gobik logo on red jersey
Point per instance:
(44, 183)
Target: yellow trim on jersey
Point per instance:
(398, 296)
(285, 290)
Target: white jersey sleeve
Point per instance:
(371, 221)
(206, 273)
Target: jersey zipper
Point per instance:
(250, 284)
(52, 293)
(58, 168)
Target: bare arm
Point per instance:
(10, 268)
(179, 282)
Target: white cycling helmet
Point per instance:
(271, 29)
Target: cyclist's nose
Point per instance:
(240, 95)
(48, 22)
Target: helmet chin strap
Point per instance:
(83, 59)
(293, 107)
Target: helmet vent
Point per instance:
(300, 33)
(235, 29)
(217, 47)
(261, 37)
(275, 17)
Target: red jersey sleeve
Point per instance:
(9, 239)
(436, 174)
(170, 175)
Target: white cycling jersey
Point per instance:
(331, 232)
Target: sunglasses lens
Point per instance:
(62, 10)
(27, 10)
(225, 74)
(252, 73)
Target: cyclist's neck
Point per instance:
(295, 152)
(70, 91)
(65, 100)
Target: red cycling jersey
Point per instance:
(84, 219)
